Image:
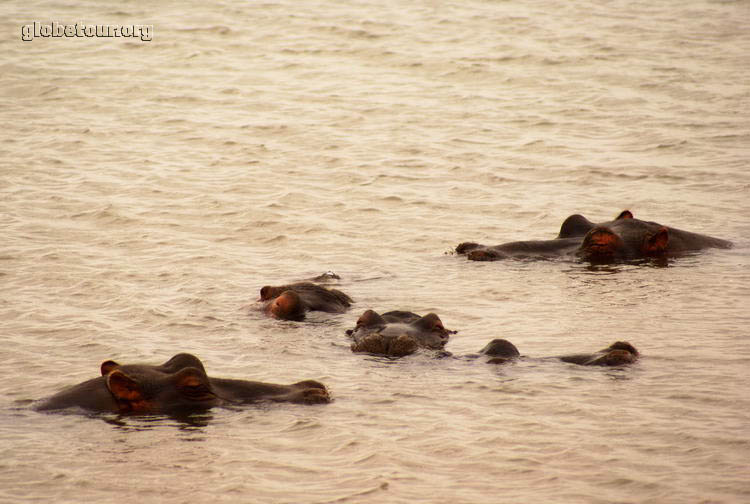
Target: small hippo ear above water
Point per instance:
(124, 388)
(430, 322)
(108, 366)
(370, 318)
(625, 214)
(265, 293)
(656, 244)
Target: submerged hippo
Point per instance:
(625, 238)
(616, 354)
(293, 301)
(398, 333)
(500, 351)
(178, 385)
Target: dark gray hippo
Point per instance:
(398, 333)
(617, 354)
(500, 351)
(179, 385)
(293, 301)
(622, 239)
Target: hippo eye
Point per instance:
(438, 327)
(197, 391)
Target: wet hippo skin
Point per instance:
(293, 301)
(616, 354)
(500, 351)
(179, 385)
(624, 238)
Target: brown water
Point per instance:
(149, 189)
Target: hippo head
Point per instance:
(398, 333)
(617, 354)
(179, 384)
(624, 238)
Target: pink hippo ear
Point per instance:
(108, 367)
(656, 244)
(625, 214)
(127, 392)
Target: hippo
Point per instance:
(398, 333)
(293, 301)
(180, 385)
(500, 351)
(616, 354)
(622, 239)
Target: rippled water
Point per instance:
(149, 189)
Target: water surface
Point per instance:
(149, 189)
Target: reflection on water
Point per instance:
(610, 267)
(188, 422)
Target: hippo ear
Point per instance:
(123, 387)
(430, 322)
(265, 293)
(656, 243)
(625, 214)
(108, 366)
(370, 318)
